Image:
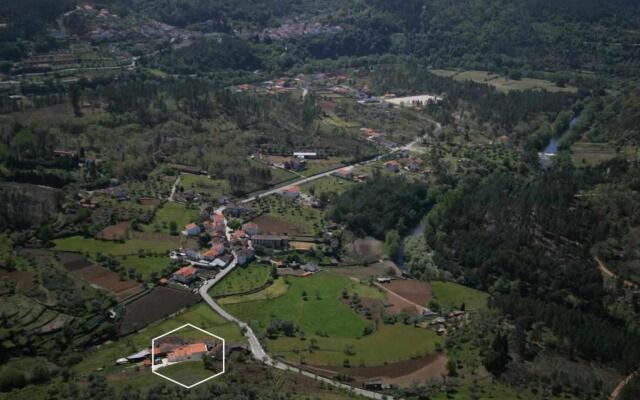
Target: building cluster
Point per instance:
(411, 164)
(378, 137)
(299, 28)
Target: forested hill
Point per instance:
(508, 34)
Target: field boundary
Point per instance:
(251, 291)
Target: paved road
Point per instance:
(256, 348)
(312, 178)
(258, 351)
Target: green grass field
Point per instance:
(322, 311)
(94, 246)
(145, 265)
(242, 279)
(502, 83)
(309, 220)
(318, 166)
(278, 288)
(200, 315)
(201, 184)
(390, 343)
(452, 295)
(187, 373)
(175, 212)
(328, 184)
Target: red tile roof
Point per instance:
(186, 271)
(188, 350)
(292, 189)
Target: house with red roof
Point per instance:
(185, 275)
(191, 230)
(345, 173)
(239, 235)
(392, 166)
(292, 192)
(250, 228)
(188, 352)
(214, 252)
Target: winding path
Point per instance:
(604, 270)
(173, 189)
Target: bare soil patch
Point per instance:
(160, 303)
(22, 279)
(114, 232)
(328, 105)
(369, 249)
(155, 237)
(109, 280)
(396, 305)
(416, 291)
(149, 201)
(364, 273)
(402, 373)
(73, 261)
(269, 224)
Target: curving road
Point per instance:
(257, 350)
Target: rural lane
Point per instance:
(174, 188)
(257, 350)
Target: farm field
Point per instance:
(199, 315)
(283, 216)
(278, 288)
(242, 279)
(278, 175)
(329, 184)
(590, 154)
(114, 232)
(452, 295)
(418, 292)
(171, 212)
(159, 303)
(501, 83)
(322, 311)
(94, 246)
(365, 273)
(145, 265)
(188, 372)
(214, 188)
(109, 281)
(321, 165)
(378, 348)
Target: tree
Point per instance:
(393, 244)
(74, 97)
(452, 368)
(208, 362)
(498, 356)
(173, 228)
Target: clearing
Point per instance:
(242, 279)
(452, 295)
(504, 84)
